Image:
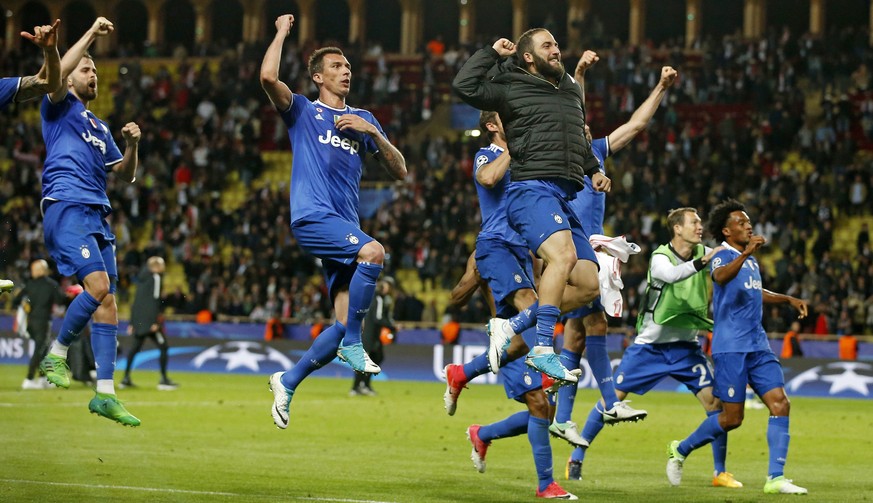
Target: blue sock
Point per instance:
(777, 441)
(593, 424)
(361, 291)
(719, 447)
(547, 316)
(476, 367)
(567, 394)
(578, 454)
(512, 426)
(322, 352)
(707, 432)
(538, 435)
(525, 319)
(104, 343)
(78, 315)
(601, 367)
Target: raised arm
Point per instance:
(278, 92)
(74, 55)
(49, 77)
(126, 169)
(490, 174)
(588, 59)
(471, 83)
(642, 115)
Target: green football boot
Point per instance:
(55, 370)
(108, 406)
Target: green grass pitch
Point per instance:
(213, 440)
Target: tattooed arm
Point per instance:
(48, 79)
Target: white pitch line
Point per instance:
(179, 491)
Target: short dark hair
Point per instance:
(677, 217)
(317, 58)
(484, 118)
(719, 216)
(525, 43)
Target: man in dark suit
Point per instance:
(145, 320)
(42, 294)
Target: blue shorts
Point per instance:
(507, 268)
(78, 238)
(337, 243)
(518, 378)
(590, 208)
(536, 209)
(595, 306)
(759, 369)
(645, 365)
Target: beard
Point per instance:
(85, 92)
(546, 70)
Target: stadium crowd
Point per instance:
(775, 122)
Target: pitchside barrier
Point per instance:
(419, 355)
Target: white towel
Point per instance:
(611, 253)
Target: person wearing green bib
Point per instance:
(674, 313)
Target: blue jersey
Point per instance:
(738, 307)
(492, 202)
(79, 152)
(590, 205)
(8, 90)
(328, 163)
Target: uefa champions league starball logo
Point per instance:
(517, 278)
(843, 379)
(241, 356)
(352, 239)
(558, 219)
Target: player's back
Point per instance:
(590, 205)
(328, 163)
(492, 201)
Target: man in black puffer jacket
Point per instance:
(541, 108)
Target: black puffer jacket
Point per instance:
(545, 125)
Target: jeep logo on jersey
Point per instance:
(752, 284)
(344, 143)
(93, 140)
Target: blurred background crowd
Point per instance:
(784, 123)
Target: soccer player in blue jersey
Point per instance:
(18, 89)
(740, 350)
(80, 151)
(542, 110)
(586, 327)
(329, 139)
(674, 313)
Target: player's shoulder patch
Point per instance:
(481, 160)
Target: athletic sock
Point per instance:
(547, 317)
(567, 394)
(362, 288)
(538, 435)
(708, 430)
(719, 447)
(777, 441)
(322, 352)
(104, 343)
(601, 367)
(77, 316)
(476, 367)
(512, 426)
(525, 319)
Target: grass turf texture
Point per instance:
(213, 440)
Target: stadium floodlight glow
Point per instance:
(472, 132)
